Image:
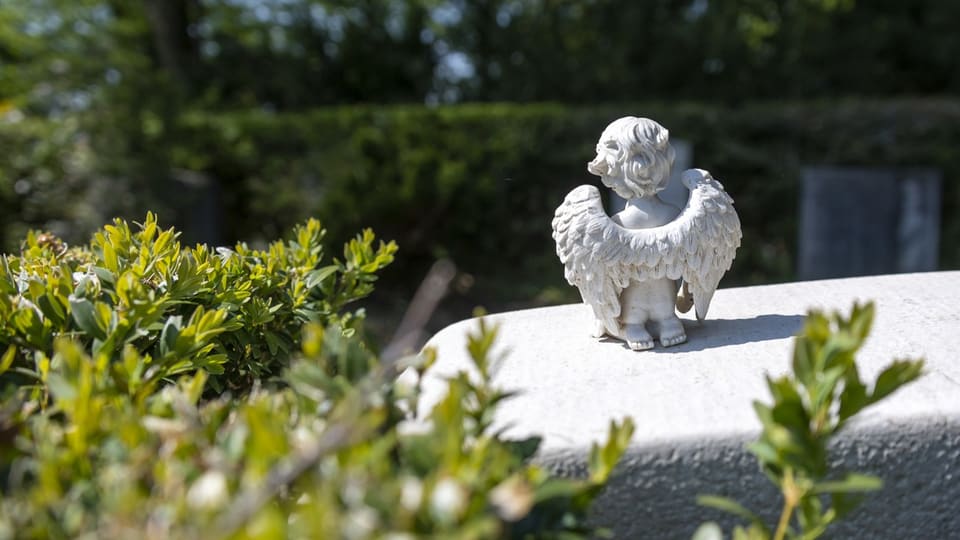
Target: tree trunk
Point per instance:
(169, 21)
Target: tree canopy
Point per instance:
(63, 55)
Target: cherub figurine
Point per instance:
(629, 268)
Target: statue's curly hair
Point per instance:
(634, 157)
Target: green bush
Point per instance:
(237, 313)
(153, 390)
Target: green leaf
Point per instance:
(60, 387)
(105, 275)
(731, 506)
(854, 396)
(524, 449)
(782, 389)
(861, 320)
(85, 315)
(110, 260)
(315, 277)
(852, 483)
(603, 459)
(28, 322)
(274, 344)
(52, 309)
(895, 376)
(838, 352)
(816, 327)
(557, 488)
(8, 283)
(824, 389)
(763, 413)
(789, 412)
(169, 335)
(809, 513)
(803, 361)
(844, 503)
(7, 360)
(764, 451)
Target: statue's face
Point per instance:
(608, 165)
(606, 160)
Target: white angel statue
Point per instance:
(630, 267)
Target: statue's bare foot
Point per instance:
(598, 330)
(671, 332)
(637, 337)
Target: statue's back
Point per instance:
(646, 213)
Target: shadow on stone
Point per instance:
(713, 333)
(657, 484)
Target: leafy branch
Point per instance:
(810, 407)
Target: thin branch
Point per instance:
(244, 507)
(409, 334)
(345, 432)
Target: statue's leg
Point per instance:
(671, 331)
(637, 337)
(670, 327)
(636, 312)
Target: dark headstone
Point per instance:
(864, 221)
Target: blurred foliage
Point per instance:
(112, 428)
(727, 51)
(810, 407)
(479, 183)
(295, 54)
(46, 176)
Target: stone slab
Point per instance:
(692, 403)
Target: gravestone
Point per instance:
(675, 193)
(865, 221)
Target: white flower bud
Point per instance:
(512, 498)
(411, 493)
(208, 492)
(448, 500)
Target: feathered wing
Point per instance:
(601, 258)
(579, 227)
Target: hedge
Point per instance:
(479, 183)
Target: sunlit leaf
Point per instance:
(894, 376)
(852, 483)
(730, 506)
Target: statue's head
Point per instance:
(634, 157)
